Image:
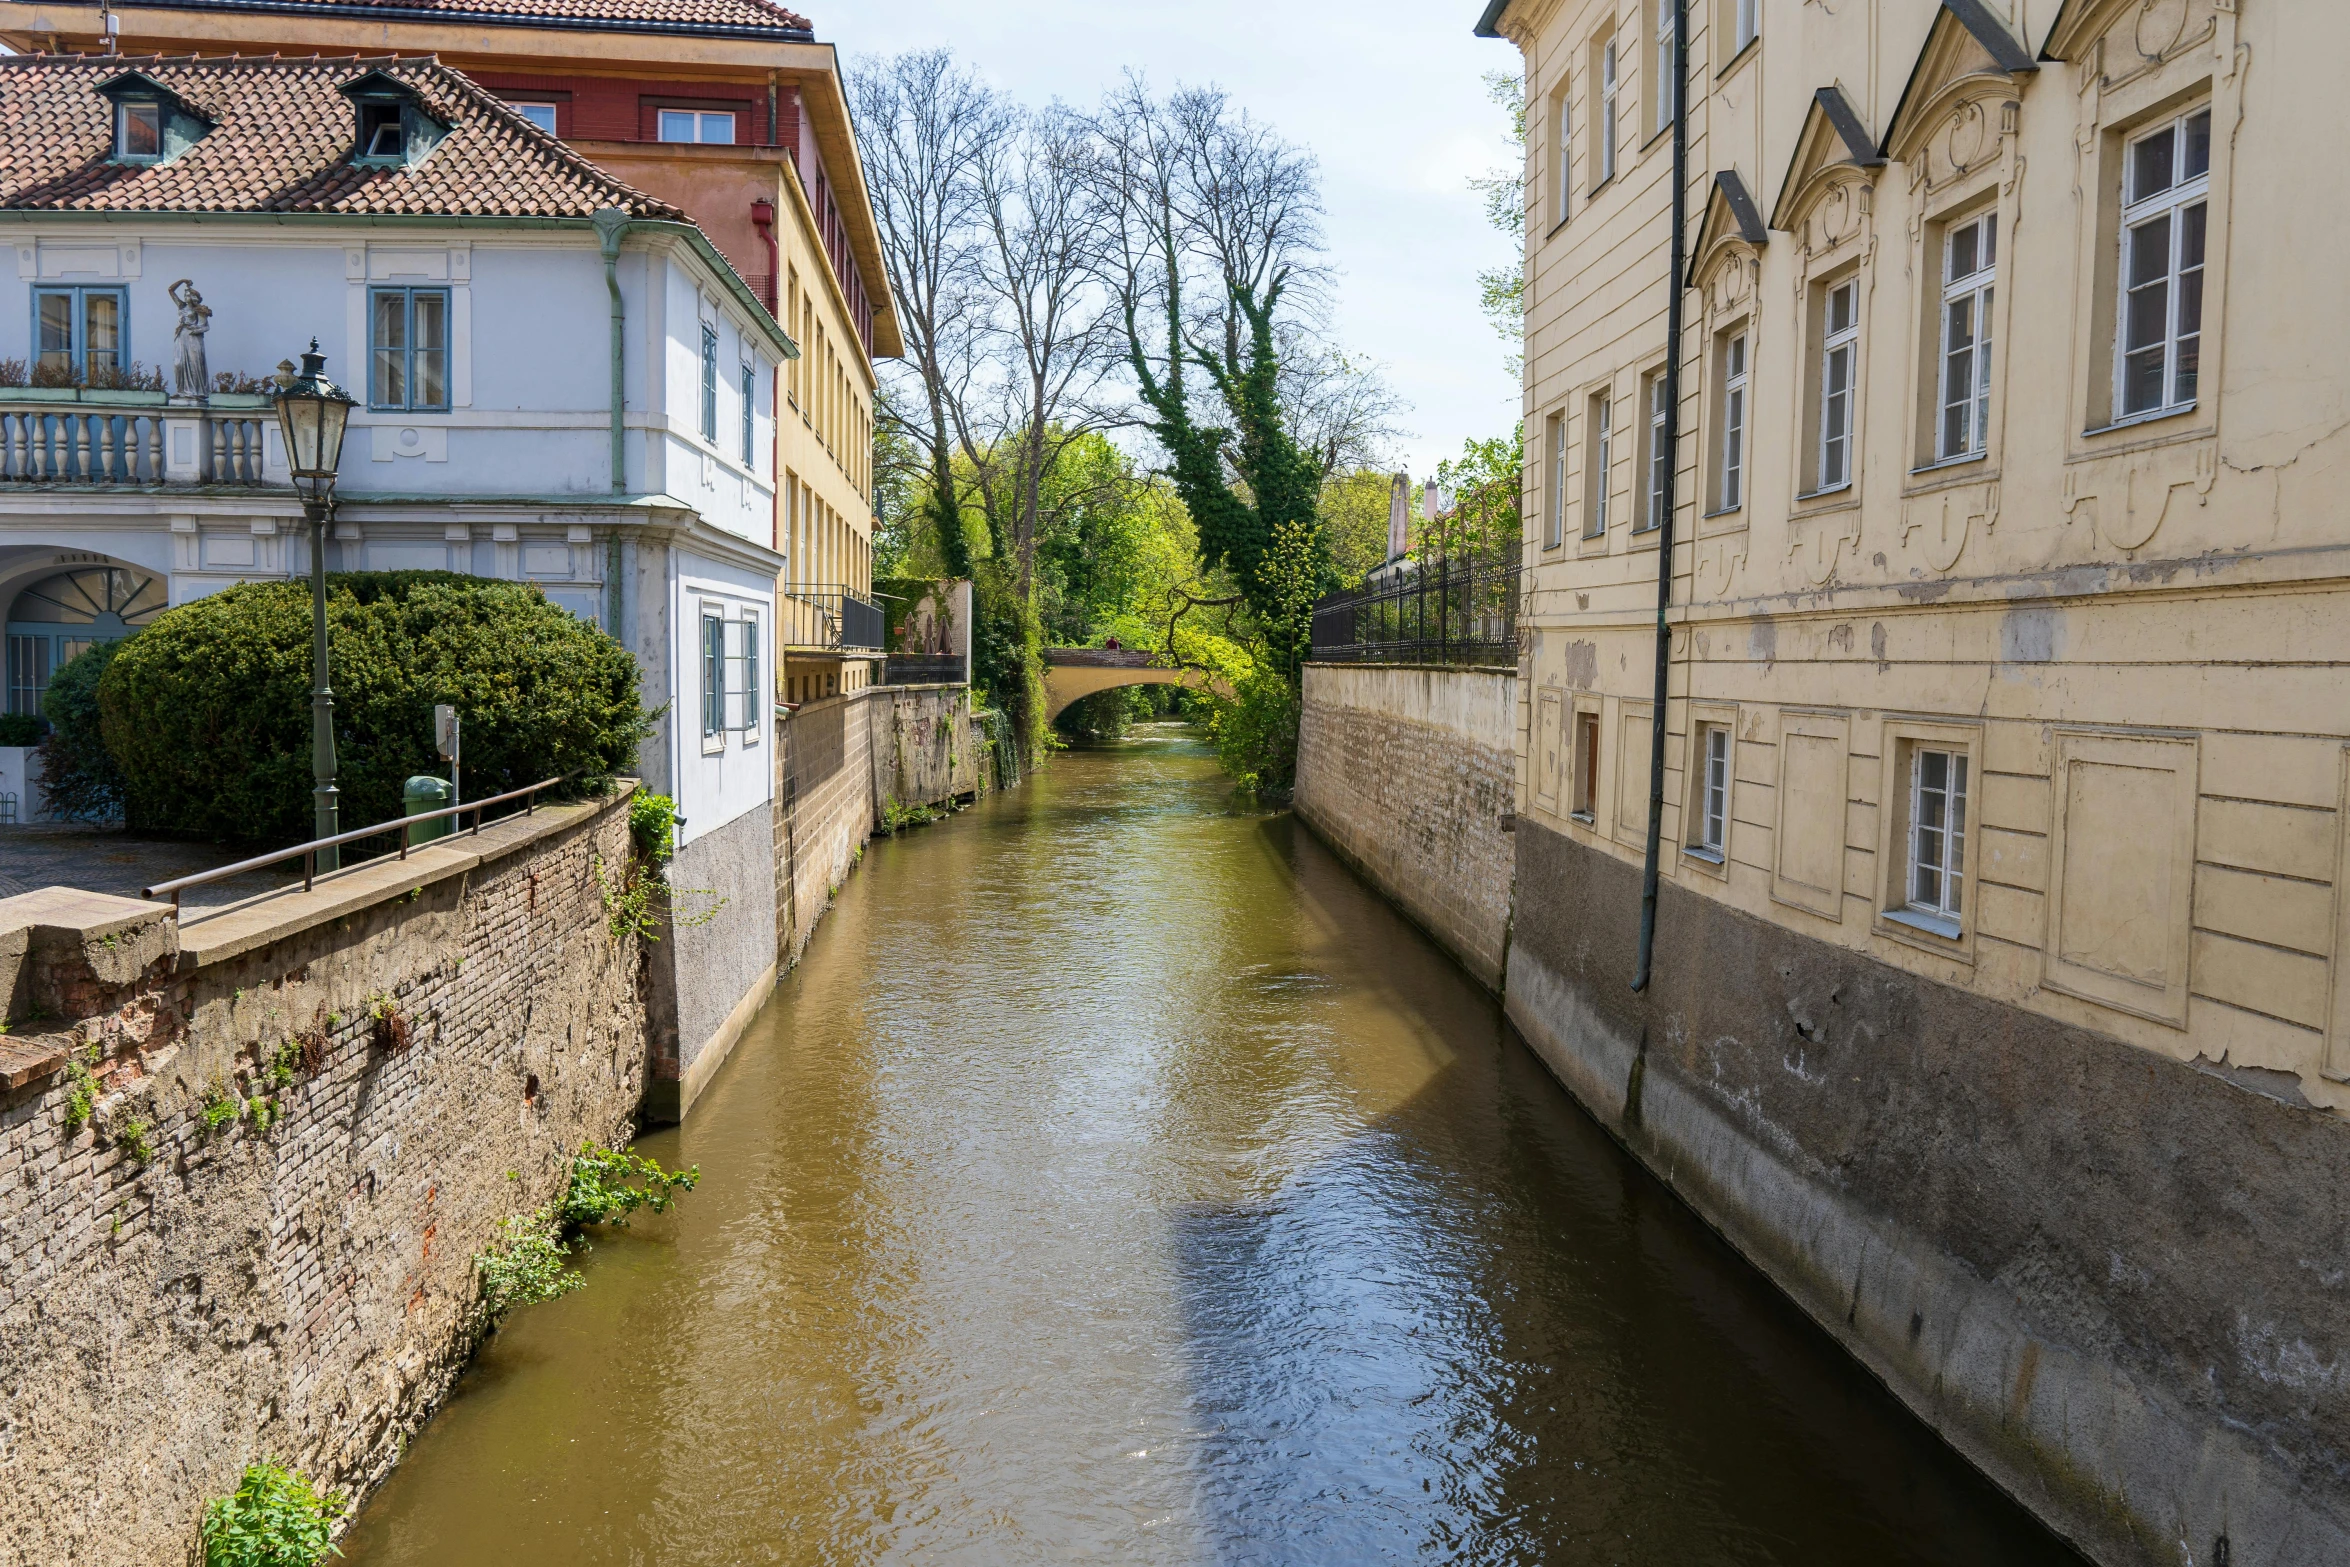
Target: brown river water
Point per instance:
(1118, 1179)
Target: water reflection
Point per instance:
(1118, 1180)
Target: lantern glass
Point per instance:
(313, 414)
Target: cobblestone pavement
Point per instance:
(108, 860)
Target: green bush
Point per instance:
(609, 1184)
(275, 1519)
(652, 827)
(1256, 735)
(207, 711)
(20, 729)
(525, 1265)
(78, 773)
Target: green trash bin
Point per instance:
(422, 794)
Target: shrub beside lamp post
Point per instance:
(313, 414)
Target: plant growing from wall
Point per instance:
(220, 1108)
(638, 899)
(896, 816)
(137, 1140)
(524, 1266)
(82, 1095)
(275, 1518)
(609, 1184)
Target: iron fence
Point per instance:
(1458, 609)
(827, 615)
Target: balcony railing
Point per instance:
(1457, 610)
(828, 616)
(64, 436)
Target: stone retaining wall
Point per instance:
(178, 1299)
(1409, 774)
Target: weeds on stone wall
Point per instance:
(896, 817)
(387, 1026)
(526, 1264)
(84, 1095)
(275, 1518)
(638, 898)
(136, 1138)
(220, 1108)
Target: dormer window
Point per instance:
(381, 136)
(395, 130)
(138, 131)
(152, 124)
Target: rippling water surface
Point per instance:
(1119, 1180)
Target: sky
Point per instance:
(1388, 97)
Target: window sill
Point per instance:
(1554, 231)
(1722, 511)
(1944, 464)
(1705, 855)
(1751, 46)
(2152, 416)
(1583, 819)
(1838, 492)
(1931, 924)
(1593, 193)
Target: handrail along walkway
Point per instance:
(309, 851)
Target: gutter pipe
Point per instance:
(611, 227)
(1664, 543)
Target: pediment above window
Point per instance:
(1970, 66)
(1732, 227)
(1833, 155)
(2137, 33)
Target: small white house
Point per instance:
(559, 381)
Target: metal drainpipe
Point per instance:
(611, 227)
(1664, 543)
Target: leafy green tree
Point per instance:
(1501, 291)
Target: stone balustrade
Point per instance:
(61, 435)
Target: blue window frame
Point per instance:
(81, 331)
(709, 383)
(750, 411)
(408, 348)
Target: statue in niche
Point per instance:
(189, 377)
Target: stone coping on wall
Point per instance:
(57, 940)
(1429, 669)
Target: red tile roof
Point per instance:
(723, 17)
(281, 141)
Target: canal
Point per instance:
(1119, 1180)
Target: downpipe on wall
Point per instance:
(1669, 498)
(612, 227)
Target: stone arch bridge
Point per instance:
(1073, 672)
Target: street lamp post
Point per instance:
(312, 414)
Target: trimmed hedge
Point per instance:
(79, 780)
(207, 710)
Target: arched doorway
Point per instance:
(52, 620)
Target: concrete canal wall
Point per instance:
(2113, 1279)
(431, 1039)
(1408, 774)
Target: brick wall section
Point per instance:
(1409, 774)
(303, 1291)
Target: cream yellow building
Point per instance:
(2006, 775)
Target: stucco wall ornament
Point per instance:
(2161, 24)
(189, 376)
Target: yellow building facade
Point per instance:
(2008, 626)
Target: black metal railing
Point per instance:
(922, 669)
(828, 615)
(1460, 609)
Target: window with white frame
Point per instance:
(1711, 813)
(1609, 88)
(710, 125)
(1660, 455)
(138, 131)
(408, 348)
(1732, 479)
(1746, 23)
(1937, 832)
(709, 383)
(541, 115)
(1839, 364)
(2166, 185)
(1554, 526)
(1561, 153)
(1970, 257)
(740, 676)
(1603, 452)
(750, 384)
(713, 675)
(1667, 76)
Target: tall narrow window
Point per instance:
(408, 348)
(1586, 792)
(1667, 78)
(713, 676)
(1747, 23)
(1562, 147)
(28, 673)
(2167, 183)
(1608, 88)
(1603, 451)
(1660, 455)
(1839, 360)
(1713, 789)
(754, 697)
(1733, 479)
(1970, 256)
(750, 416)
(1937, 831)
(1554, 526)
(709, 383)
